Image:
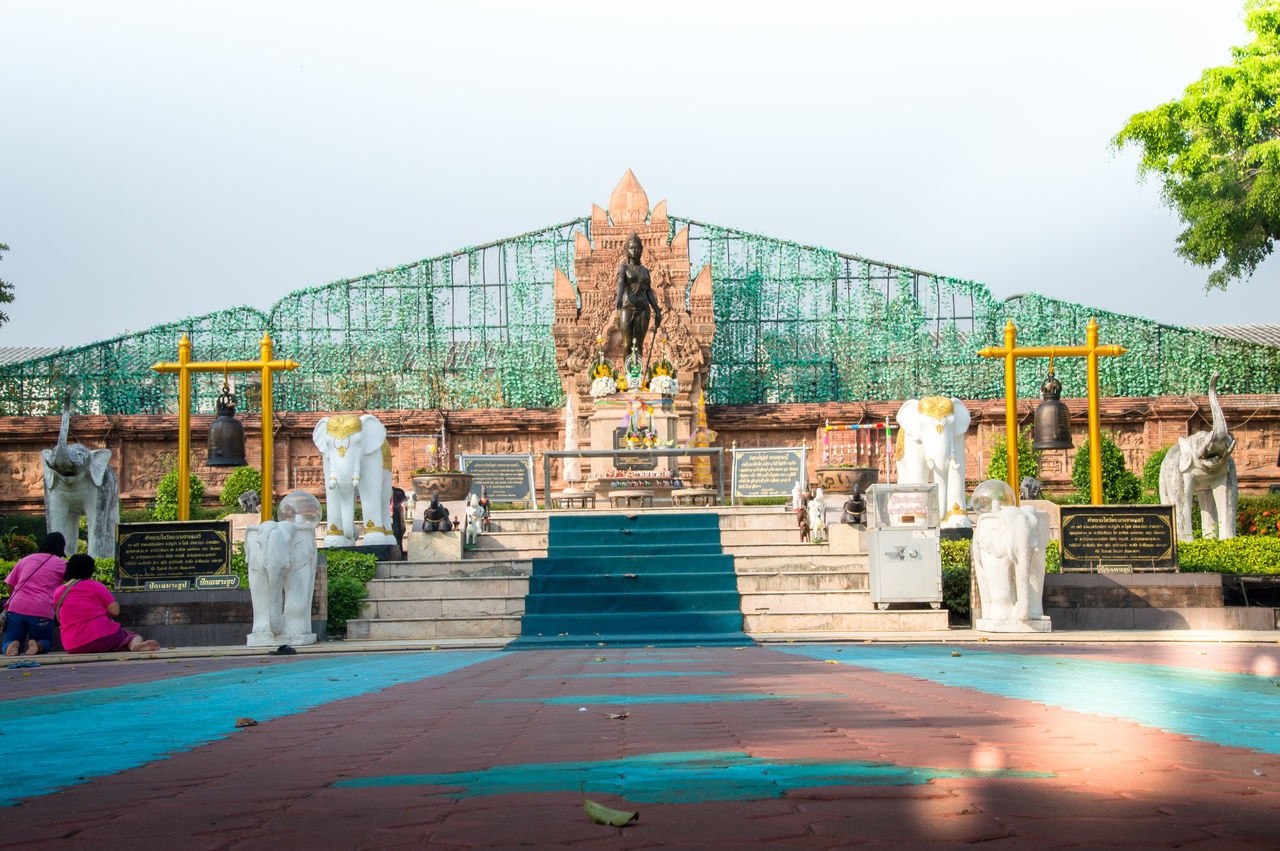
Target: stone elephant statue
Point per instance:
(931, 451)
(282, 580)
(357, 459)
(1201, 466)
(1009, 564)
(80, 482)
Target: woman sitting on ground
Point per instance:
(33, 582)
(84, 610)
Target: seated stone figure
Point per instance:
(436, 517)
(475, 517)
(855, 508)
(818, 517)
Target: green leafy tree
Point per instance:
(243, 479)
(6, 288)
(1028, 459)
(1119, 485)
(1217, 152)
(167, 494)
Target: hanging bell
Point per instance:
(226, 434)
(1052, 429)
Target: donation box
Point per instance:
(903, 544)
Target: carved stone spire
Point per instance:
(628, 205)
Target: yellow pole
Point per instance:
(268, 433)
(184, 428)
(1091, 351)
(1095, 417)
(184, 367)
(1011, 406)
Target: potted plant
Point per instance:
(436, 476)
(840, 478)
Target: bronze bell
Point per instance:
(226, 434)
(1052, 428)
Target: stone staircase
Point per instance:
(786, 587)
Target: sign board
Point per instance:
(768, 471)
(630, 462)
(908, 508)
(176, 556)
(506, 478)
(1118, 538)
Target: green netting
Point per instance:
(472, 329)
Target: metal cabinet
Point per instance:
(903, 544)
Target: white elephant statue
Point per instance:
(1201, 466)
(931, 451)
(1008, 561)
(79, 481)
(282, 580)
(357, 458)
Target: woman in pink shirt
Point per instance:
(84, 610)
(33, 582)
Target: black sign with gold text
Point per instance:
(506, 478)
(768, 472)
(630, 462)
(160, 555)
(1109, 538)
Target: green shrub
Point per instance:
(104, 571)
(1028, 460)
(14, 545)
(1258, 515)
(1151, 471)
(5, 566)
(349, 572)
(1119, 485)
(242, 480)
(239, 565)
(1253, 554)
(31, 525)
(167, 495)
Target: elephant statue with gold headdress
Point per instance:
(357, 459)
(931, 450)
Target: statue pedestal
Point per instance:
(300, 639)
(1030, 625)
(606, 429)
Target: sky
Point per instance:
(163, 160)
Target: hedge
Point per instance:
(349, 572)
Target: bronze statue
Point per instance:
(436, 517)
(635, 299)
(855, 508)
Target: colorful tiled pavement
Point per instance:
(795, 746)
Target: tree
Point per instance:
(1217, 151)
(1119, 486)
(1028, 459)
(6, 288)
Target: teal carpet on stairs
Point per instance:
(639, 579)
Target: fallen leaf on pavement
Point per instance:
(955, 652)
(619, 716)
(600, 814)
(246, 722)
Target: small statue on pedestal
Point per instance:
(818, 516)
(855, 508)
(474, 519)
(484, 509)
(436, 516)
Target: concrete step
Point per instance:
(807, 601)
(440, 587)
(478, 554)
(787, 581)
(436, 608)
(776, 549)
(803, 560)
(495, 626)
(425, 569)
(904, 620)
(532, 540)
(1147, 617)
